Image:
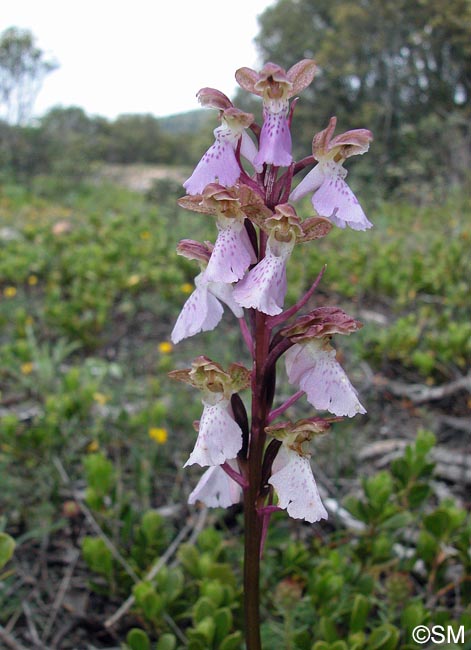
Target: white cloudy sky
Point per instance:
(138, 56)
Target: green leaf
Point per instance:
(214, 590)
(203, 608)
(137, 639)
(7, 547)
(357, 508)
(424, 442)
(209, 540)
(207, 627)
(321, 645)
(148, 600)
(359, 613)
(99, 472)
(384, 637)
(166, 642)
(151, 525)
(412, 615)
(223, 620)
(397, 521)
(401, 470)
(174, 584)
(223, 573)
(378, 489)
(427, 546)
(437, 523)
(97, 555)
(328, 629)
(418, 494)
(189, 556)
(232, 642)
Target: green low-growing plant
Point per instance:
(406, 563)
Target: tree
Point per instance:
(23, 67)
(397, 67)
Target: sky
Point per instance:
(137, 56)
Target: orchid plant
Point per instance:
(244, 181)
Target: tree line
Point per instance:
(399, 68)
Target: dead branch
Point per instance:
(420, 393)
(63, 588)
(9, 640)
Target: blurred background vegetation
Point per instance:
(93, 435)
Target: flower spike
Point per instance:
(312, 367)
(202, 311)
(216, 489)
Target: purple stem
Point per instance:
(305, 162)
(246, 334)
(235, 476)
(267, 510)
(281, 409)
(281, 318)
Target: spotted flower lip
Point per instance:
(332, 198)
(216, 489)
(220, 163)
(233, 252)
(295, 486)
(219, 435)
(264, 287)
(312, 366)
(203, 310)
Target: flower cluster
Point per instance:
(244, 182)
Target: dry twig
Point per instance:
(419, 393)
(62, 591)
(9, 640)
(94, 524)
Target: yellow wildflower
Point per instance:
(145, 235)
(159, 435)
(100, 398)
(27, 368)
(133, 280)
(93, 446)
(9, 292)
(186, 288)
(165, 347)
(32, 280)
